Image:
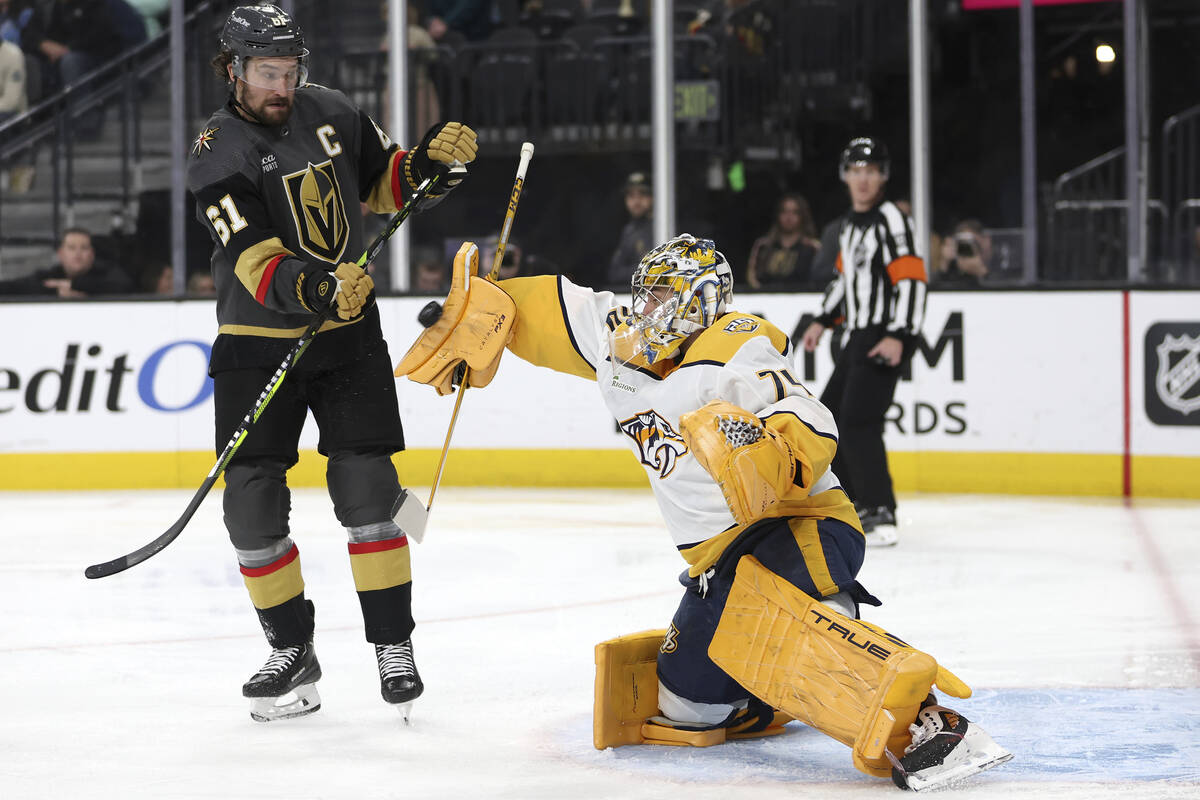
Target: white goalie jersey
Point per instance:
(741, 359)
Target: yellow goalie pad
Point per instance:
(847, 678)
(627, 695)
(753, 477)
(476, 323)
(626, 688)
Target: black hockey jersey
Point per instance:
(279, 203)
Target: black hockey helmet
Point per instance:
(263, 32)
(865, 150)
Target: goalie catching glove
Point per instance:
(444, 145)
(346, 289)
(475, 325)
(752, 464)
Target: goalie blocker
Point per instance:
(847, 678)
(474, 326)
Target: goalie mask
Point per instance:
(679, 288)
(265, 32)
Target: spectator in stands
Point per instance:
(13, 99)
(80, 36)
(637, 237)
(510, 264)
(431, 277)
(824, 266)
(153, 13)
(783, 259)
(77, 273)
(422, 51)
(201, 284)
(159, 279)
(471, 18)
(19, 24)
(965, 256)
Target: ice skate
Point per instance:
(879, 525)
(946, 748)
(285, 687)
(399, 682)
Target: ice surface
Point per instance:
(1074, 619)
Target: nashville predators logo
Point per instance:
(670, 642)
(658, 445)
(318, 211)
(741, 325)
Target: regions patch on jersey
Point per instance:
(204, 141)
(741, 325)
(318, 210)
(659, 446)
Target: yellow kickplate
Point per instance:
(661, 734)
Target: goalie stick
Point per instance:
(103, 570)
(432, 314)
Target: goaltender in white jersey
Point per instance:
(738, 454)
(741, 359)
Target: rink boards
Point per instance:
(1062, 392)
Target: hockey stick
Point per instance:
(501, 246)
(152, 548)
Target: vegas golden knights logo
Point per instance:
(659, 446)
(318, 210)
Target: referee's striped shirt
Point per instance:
(882, 281)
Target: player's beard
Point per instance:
(271, 109)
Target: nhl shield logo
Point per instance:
(318, 211)
(1173, 373)
(1178, 377)
(659, 446)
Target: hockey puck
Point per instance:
(430, 314)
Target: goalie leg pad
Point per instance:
(848, 679)
(476, 324)
(628, 695)
(626, 688)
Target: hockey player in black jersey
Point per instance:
(278, 174)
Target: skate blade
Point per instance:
(882, 536)
(405, 710)
(299, 702)
(983, 754)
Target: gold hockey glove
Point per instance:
(753, 465)
(443, 146)
(475, 325)
(346, 288)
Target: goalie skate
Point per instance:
(946, 748)
(285, 687)
(399, 682)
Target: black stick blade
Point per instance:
(107, 568)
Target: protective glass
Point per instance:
(275, 74)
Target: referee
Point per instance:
(879, 295)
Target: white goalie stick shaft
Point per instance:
(509, 215)
(122, 563)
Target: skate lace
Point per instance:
(280, 659)
(920, 735)
(395, 660)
